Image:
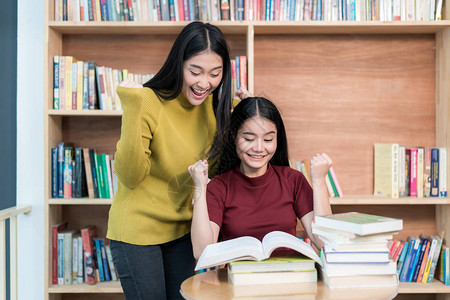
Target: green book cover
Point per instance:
(100, 182)
(105, 176)
(336, 194)
(273, 264)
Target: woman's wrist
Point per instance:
(199, 193)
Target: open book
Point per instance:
(250, 248)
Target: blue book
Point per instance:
(61, 147)
(54, 172)
(401, 259)
(98, 252)
(238, 73)
(191, 10)
(407, 261)
(267, 10)
(434, 164)
(85, 85)
(104, 10)
(105, 261)
(240, 10)
(423, 247)
(56, 82)
(414, 258)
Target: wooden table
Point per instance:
(214, 285)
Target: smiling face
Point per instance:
(202, 74)
(256, 143)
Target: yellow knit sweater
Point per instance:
(159, 140)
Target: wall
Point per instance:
(30, 147)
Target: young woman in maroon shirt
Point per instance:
(256, 191)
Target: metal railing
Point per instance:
(11, 214)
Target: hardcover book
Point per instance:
(386, 170)
(250, 248)
(359, 223)
(273, 264)
(272, 277)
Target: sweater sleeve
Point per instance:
(132, 158)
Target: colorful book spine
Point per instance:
(420, 171)
(413, 173)
(336, 183)
(60, 258)
(112, 268)
(104, 261)
(434, 192)
(98, 252)
(61, 86)
(402, 257)
(54, 172)
(56, 82)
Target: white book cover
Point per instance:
(75, 260)
(80, 260)
(410, 10)
(250, 248)
(333, 256)
(355, 269)
(420, 170)
(359, 223)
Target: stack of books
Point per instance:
(356, 252)
(251, 261)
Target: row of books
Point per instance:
(409, 172)
(356, 252)
(81, 85)
(238, 72)
(81, 172)
(304, 166)
(239, 10)
(418, 258)
(79, 256)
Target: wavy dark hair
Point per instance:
(197, 37)
(246, 109)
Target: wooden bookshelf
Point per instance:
(340, 86)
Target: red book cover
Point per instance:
(55, 229)
(243, 70)
(180, 10)
(87, 234)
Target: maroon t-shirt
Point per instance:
(242, 206)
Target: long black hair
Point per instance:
(246, 109)
(197, 37)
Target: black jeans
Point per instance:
(154, 271)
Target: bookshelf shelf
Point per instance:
(112, 287)
(435, 287)
(260, 27)
(376, 200)
(85, 113)
(79, 201)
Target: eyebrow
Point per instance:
(251, 133)
(196, 66)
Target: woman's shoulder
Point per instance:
(222, 179)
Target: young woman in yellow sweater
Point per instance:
(167, 125)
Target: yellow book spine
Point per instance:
(68, 81)
(79, 85)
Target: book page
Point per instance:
(276, 239)
(242, 248)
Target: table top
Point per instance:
(215, 285)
